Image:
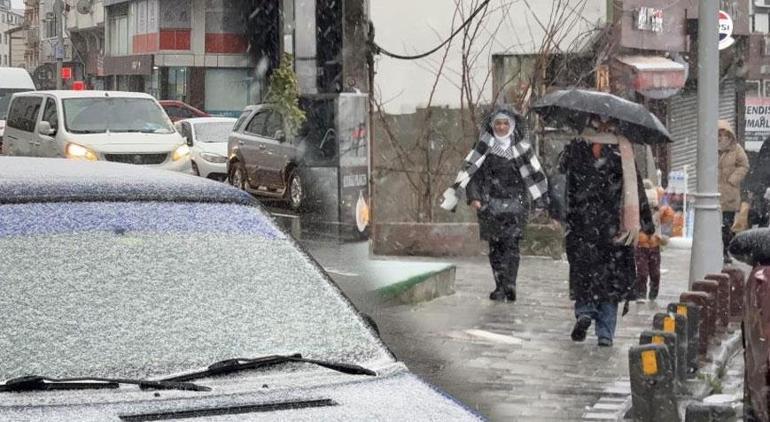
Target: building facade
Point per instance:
(32, 25)
(194, 51)
(9, 19)
(85, 29)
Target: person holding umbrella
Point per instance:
(606, 202)
(501, 174)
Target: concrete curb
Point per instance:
(418, 288)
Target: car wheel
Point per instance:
(295, 194)
(238, 176)
(195, 169)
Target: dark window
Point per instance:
(50, 115)
(23, 113)
(245, 115)
(273, 125)
(257, 124)
(178, 112)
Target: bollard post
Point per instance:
(702, 412)
(700, 299)
(664, 338)
(652, 384)
(692, 312)
(737, 283)
(676, 324)
(723, 306)
(712, 288)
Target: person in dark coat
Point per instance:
(504, 174)
(606, 209)
(757, 184)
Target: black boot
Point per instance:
(499, 294)
(510, 292)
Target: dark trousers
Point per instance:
(647, 266)
(504, 257)
(728, 217)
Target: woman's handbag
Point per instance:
(504, 206)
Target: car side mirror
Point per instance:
(280, 136)
(188, 141)
(44, 128)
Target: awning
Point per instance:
(652, 76)
(114, 2)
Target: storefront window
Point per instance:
(227, 91)
(173, 83)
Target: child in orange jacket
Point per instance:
(648, 248)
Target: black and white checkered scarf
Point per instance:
(522, 156)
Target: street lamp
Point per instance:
(706, 257)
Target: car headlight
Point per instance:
(213, 158)
(79, 152)
(182, 151)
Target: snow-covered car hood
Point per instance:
(219, 148)
(395, 395)
(128, 142)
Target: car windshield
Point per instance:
(5, 100)
(213, 131)
(103, 114)
(151, 289)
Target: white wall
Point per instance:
(415, 26)
(80, 21)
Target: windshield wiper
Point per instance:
(39, 383)
(85, 131)
(239, 364)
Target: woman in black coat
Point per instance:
(500, 190)
(602, 268)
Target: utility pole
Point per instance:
(58, 16)
(707, 241)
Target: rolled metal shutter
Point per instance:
(683, 126)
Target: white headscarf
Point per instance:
(505, 140)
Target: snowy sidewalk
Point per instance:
(516, 361)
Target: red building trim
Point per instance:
(145, 43)
(226, 43)
(175, 39)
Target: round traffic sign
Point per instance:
(725, 30)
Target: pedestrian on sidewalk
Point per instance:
(501, 174)
(733, 168)
(607, 208)
(648, 249)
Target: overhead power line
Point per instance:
(378, 49)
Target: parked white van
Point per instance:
(12, 80)
(125, 127)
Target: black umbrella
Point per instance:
(573, 107)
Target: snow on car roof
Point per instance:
(90, 94)
(196, 120)
(24, 179)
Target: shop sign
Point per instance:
(725, 30)
(353, 130)
(757, 122)
(649, 19)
